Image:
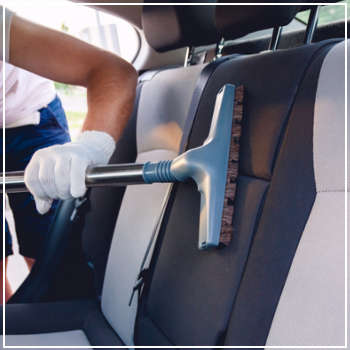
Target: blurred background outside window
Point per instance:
(328, 14)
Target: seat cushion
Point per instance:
(52, 323)
(70, 338)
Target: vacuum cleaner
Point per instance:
(213, 166)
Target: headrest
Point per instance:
(168, 27)
(236, 21)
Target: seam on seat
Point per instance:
(256, 224)
(108, 336)
(160, 330)
(260, 178)
(332, 191)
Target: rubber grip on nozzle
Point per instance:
(158, 172)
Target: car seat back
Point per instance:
(162, 112)
(229, 296)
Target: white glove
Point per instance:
(58, 172)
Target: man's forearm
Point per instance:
(110, 96)
(110, 81)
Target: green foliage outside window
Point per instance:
(328, 14)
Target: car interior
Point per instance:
(121, 266)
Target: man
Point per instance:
(58, 171)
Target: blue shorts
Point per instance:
(21, 143)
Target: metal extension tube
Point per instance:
(108, 175)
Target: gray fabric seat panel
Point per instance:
(141, 209)
(69, 338)
(163, 109)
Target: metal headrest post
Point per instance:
(311, 24)
(275, 39)
(219, 47)
(189, 56)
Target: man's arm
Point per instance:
(110, 81)
(59, 171)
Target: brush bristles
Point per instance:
(232, 170)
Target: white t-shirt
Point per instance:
(25, 92)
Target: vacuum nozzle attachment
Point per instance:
(207, 166)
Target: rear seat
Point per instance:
(291, 164)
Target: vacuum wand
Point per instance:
(207, 165)
(108, 175)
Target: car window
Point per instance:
(328, 14)
(113, 34)
(86, 23)
(292, 26)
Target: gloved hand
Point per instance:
(58, 172)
